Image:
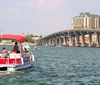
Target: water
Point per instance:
(59, 66)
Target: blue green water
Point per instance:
(59, 66)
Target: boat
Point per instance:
(16, 61)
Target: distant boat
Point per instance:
(35, 47)
(57, 45)
(35, 44)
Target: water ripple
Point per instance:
(59, 66)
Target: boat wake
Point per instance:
(9, 72)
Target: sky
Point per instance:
(42, 17)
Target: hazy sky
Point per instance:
(42, 16)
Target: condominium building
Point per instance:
(86, 21)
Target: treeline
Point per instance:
(30, 38)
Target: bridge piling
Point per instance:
(72, 38)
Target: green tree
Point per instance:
(29, 39)
(40, 36)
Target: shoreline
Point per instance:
(13, 44)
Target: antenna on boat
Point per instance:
(1, 35)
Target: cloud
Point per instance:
(41, 3)
(25, 8)
(60, 1)
(27, 3)
(49, 3)
(51, 10)
(44, 14)
(17, 10)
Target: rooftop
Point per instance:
(87, 14)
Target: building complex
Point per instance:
(86, 20)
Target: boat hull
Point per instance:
(17, 63)
(19, 67)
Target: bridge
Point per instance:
(71, 38)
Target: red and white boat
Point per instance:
(19, 60)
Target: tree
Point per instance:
(40, 36)
(29, 39)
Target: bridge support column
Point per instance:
(77, 40)
(98, 39)
(46, 42)
(83, 39)
(49, 42)
(67, 41)
(59, 40)
(53, 42)
(38, 43)
(42, 42)
(74, 41)
(64, 41)
(90, 39)
(70, 41)
(56, 40)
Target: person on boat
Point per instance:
(26, 50)
(15, 48)
(22, 51)
(5, 52)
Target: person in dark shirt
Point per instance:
(15, 48)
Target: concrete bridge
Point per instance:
(71, 38)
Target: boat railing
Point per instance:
(14, 59)
(15, 55)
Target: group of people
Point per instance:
(15, 49)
